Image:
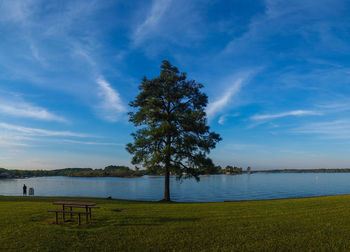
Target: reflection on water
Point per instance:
(210, 188)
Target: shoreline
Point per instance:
(29, 198)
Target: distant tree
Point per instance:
(229, 169)
(248, 170)
(218, 169)
(174, 136)
(237, 170)
(116, 167)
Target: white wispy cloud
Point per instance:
(223, 118)
(92, 143)
(299, 17)
(45, 35)
(218, 105)
(243, 147)
(27, 110)
(111, 107)
(156, 13)
(14, 139)
(15, 10)
(12, 144)
(11, 140)
(40, 32)
(336, 107)
(40, 132)
(338, 129)
(83, 53)
(284, 114)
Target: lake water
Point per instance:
(210, 189)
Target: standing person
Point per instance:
(24, 190)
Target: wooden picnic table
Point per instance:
(80, 204)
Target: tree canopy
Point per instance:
(173, 135)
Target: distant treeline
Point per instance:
(125, 171)
(109, 171)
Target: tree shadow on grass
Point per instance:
(119, 210)
(153, 221)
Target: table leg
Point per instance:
(87, 214)
(56, 217)
(79, 218)
(71, 212)
(63, 215)
(90, 212)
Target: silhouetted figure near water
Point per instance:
(24, 190)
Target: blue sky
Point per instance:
(276, 72)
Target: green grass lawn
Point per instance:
(321, 223)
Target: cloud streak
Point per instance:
(40, 132)
(158, 9)
(111, 107)
(285, 114)
(92, 143)
(338, 129)
(27, 110)
(223, 118)
(12, 144)
(16, 10)
(218, 105)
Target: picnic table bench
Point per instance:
(74, 204)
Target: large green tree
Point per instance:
(172, 136)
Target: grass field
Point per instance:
(321, 223)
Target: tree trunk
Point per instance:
(166, 184)
(167, 170)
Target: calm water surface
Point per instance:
(209, 189)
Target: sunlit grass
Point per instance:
(294, 224)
